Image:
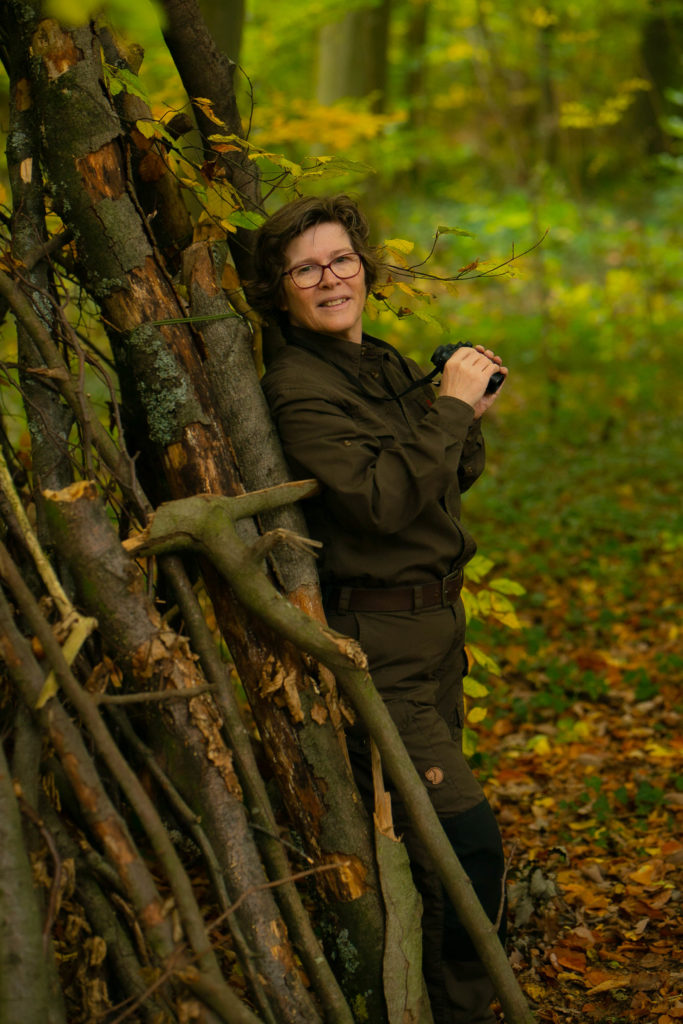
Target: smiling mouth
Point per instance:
(333, 303)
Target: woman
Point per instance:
(392, 462)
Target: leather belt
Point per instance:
(442, 593)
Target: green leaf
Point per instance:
(505, 586)
(483, 659)
(122, 78)
(146, 128)
(428, 318)
(478, 567)
(469, 742)
(471, 603)
(71, 12)
(476, 714)
(246, 219)
(474, 689)
(443, 230)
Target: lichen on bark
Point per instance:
(169, 403)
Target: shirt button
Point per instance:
(347, 443)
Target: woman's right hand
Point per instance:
(467, 373)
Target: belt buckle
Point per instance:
(452, 577)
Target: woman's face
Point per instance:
(334, 306)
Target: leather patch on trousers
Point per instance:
(434, 775)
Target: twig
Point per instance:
(334, 866)
(117, 461)
(53, 244)
(298, 921)
(177, 803)
(47, 573)
(502, 905)
(181, 887)
(186, 693)
(464, 274)
(283, 842)
(168, 972)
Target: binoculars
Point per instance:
(444, 352)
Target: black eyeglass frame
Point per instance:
(323, 267)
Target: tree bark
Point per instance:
(118, 265)
(225, 23)
(200, 970)
(352, 56)
(24, 991)
(49, 419)
(190, 741)
(157, 187)
(194, 524)
(121, 955)
(207, 73)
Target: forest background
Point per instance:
(503, 127)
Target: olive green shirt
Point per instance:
(391, 472)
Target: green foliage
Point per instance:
(522, 119)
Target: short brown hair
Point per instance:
(288, 223)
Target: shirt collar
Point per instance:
(343, 353)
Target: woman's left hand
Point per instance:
(487, 401)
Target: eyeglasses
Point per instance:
(308, 275)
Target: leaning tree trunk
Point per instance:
(24, 989)
(187, 734)
(85, 156)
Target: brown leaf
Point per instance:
(610, 983)
(319, 713)
(571, 958)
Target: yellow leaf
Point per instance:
(657, 750)
(483, 659)
(407, 289)
(536, 992)
(400, 245)
(206, 108)
(508, 619)
(146, 128)
(471, 603)
(505, 586)
(474, 689)
(542, 17)
(539, 745)
(475, 715)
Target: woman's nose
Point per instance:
(329, 277)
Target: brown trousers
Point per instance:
(417, 663)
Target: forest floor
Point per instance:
(583, 753)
